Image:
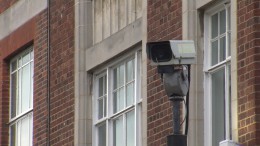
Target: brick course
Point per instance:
(40, 81)
(164, 21)
(62, 72)
(248, 72)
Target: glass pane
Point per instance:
(218, 107)
(214, 26)
(13, 94)
(222, 21)
(14, 65)
(130, 71)
(32, 55)
(26, 58)
(31, 97)
(229, 19)
(214, 52)
(100, 87)
(229, 98)
(105, 106)
(105, 85)
(102, 135)
(20, 62)
(119, 100)
(118, 132)
(100, 108)
(130, 129)
(31, 129)
(26, 88)
(222, 47)
(229, 44)
(130, 94)
(24, 133)
(13, 135)
(118, 77)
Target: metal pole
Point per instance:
(176, 116)
(176, 104)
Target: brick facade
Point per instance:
(165, 19)
(62, 72)
(248, 72)
(40, 80)
(5, 4)
(34, 32)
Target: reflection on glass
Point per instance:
(26, 88)
(102, 135)
(118, 100)
(31, 99)
(218, 107)
(26, 58)
(118, 76)
(214, 52)
(229, 44)
(130, 71)
(214, 26)
(105, 106)
(13, 135)
(222, 21)
(101, 87)
(14, 65)
(130, 128)
(13, 94)
(130, 94)
(222, 47)
(229, 98)
(25, 136)
(118, 132)
(100, 108)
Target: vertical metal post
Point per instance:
(176, 139)
(176, 116)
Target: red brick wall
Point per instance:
(33, 32)
(62, 72)
(164, 23)
(40, 81)
(248, 72)
(5, 4)
(4, 102)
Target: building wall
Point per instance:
(164, 22)
(5, 4)
(62, 72)
(248, 72)
(29, 30)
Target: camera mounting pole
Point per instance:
(176, 105)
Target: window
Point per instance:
(217, 75)
(117, 104)
(21, 99)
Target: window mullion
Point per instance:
(124, 129)
(218, 37)
(227, 103)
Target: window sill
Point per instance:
(228, 143)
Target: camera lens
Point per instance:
(161, 52)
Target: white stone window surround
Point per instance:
(111, 115)
(21, 90)
(212, 68)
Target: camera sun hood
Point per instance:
(172, 52)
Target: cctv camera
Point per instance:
(172, 52)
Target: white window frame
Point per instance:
(28, 113)
(110, 115)
(210, 69)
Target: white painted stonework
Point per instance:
(18, 14)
